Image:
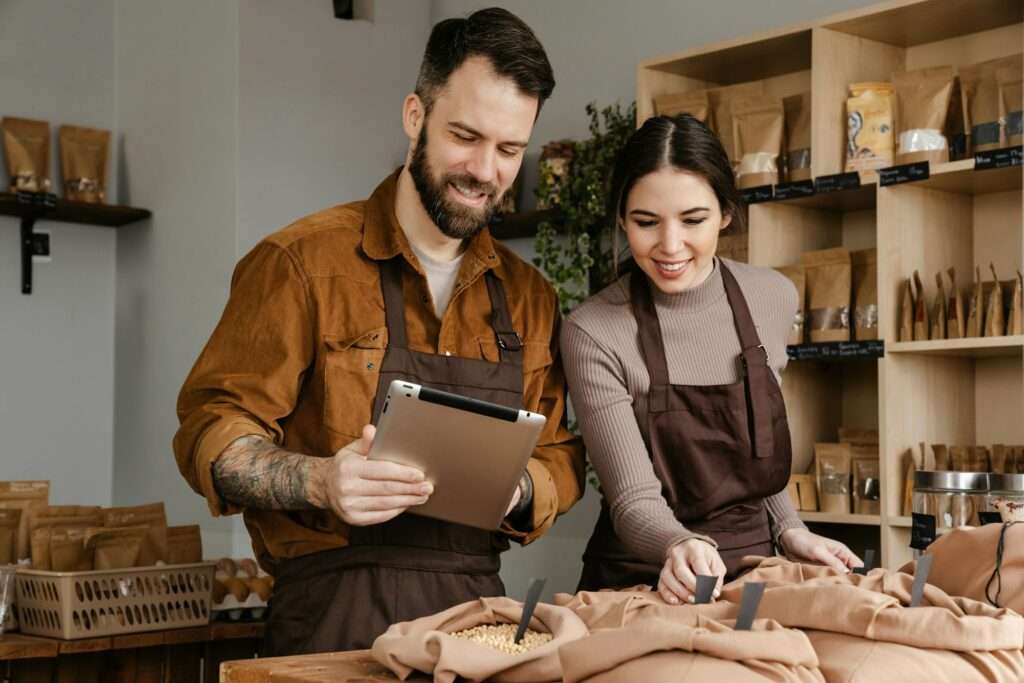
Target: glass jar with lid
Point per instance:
(1006, 496)
(954, 498)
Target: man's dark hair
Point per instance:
(503, 38)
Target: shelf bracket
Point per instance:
(27, 225)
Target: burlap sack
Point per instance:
(427, 645)
(690, 649)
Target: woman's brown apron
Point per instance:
(410, 566)
(717, 450)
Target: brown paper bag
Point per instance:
(184, 544)
(959, 459)
(694, 103)
(834, 469)
(922, 105)
(721, 105)
(864, 271)
(955, 126)
(43, 521)
(866, 480)
(859, 437)
(995, 320)
(796, 276)
(83, 155)
(427, 644)
(25, 496)
(979, 92)
(27, 150)
(938, 321)
(10, 521)
(978, 459)
(956, 324)
(940, 456)
(117, 547)
(828, 274)
(907, 306)
(68, 552)
(976, 304)
(757, 127)
(1011, 93)
(798, 136)
(1000, 456)
(1015, 325)
(152, 516)
(921, 324)
(869, 126)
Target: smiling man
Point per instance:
(277, 413)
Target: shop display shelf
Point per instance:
(971, 347)
(66, 211)
(839, 518)
(853, 199)
(961, 177)
(900, 521)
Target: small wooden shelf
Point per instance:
(837, 351)
(970, 347)
(900, 522)
(834, 518)
(961, 177)
(509, 226)
(855, 199)
(66, 211)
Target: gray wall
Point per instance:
(57, 345)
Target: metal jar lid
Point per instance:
(1006, 482)
(960, 482)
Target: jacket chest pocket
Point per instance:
(351, 372)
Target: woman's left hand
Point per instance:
(803, 546)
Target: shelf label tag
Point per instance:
(868, 349)
(990, 518)
(904, 173)
(756, 195)
(869, 562)
(922, 531)
(705, 589)
(837, 182)
(801, 188)
(924, 566)
(753, 591)
(997, 158)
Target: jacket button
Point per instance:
(369, 366)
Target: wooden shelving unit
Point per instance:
(965, 391)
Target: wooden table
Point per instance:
(337, 667)
(173, 656)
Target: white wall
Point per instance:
(594, 48)
(57, 344)
(177, 109)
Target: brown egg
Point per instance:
(226, 568)
(220, 591)
(249, 568)
(261, 587)
(237, 588)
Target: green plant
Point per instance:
(575, 251)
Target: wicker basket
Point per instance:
(71, 605)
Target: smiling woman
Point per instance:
(675, 377)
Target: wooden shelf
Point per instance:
(900, 522)
(837, 351)
(66, 211)
(856, 199)
(970, 347)
(962, 178)
(833, 518)
(518, 225)
(911, 22)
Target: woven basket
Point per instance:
(72, 605)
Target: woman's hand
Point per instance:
(803, 546)
(678, 580)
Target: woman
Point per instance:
(674, 372)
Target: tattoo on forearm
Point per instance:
(255, 473)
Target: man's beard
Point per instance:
(453, 219)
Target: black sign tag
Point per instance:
(801, 188)
(904, 173)
(869, 562)
(837, 182)
(997, 158)
(990, 518)
(871, 348)
(753, 591)
(922, 531)
(43, 200)
(921, 570)
(705, 589)
(756, 195)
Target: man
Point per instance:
(276, 414)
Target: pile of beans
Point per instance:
(501, 637)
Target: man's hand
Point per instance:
(803, 546)
(364, 492)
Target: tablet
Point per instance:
(472, 451)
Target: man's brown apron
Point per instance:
(410, 566)
(717, 450)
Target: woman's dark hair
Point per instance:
(497, 34)
(681, 142)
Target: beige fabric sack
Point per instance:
(690, 649)
(427, 645)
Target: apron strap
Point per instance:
(510, 344)
(757, 374)
(394, 302)
(651, 343)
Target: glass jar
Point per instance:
(1006, 496)
(954, 498)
